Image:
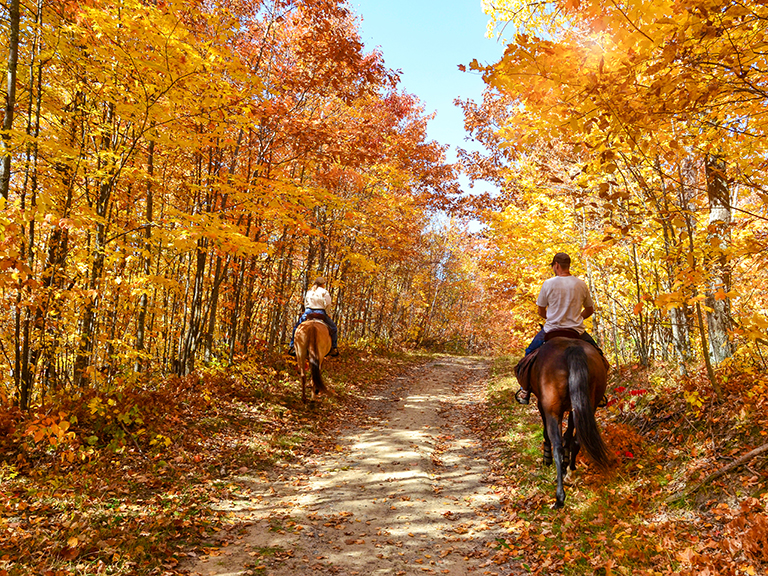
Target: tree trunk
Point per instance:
(614, 334)
(702, 332)
(218, 276)
(642, 326)
(189, 347)
(143, 301)
(238, 289)
(14, 17)
(596, 317)
(719, 239)
(250, 298)
(88, 323)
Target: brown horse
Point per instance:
(312, 342)
(569, 375)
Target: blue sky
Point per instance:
(427, 40)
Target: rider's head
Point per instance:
(319, 281)
(563, 259)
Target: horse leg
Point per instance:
(547, 446)
(318, 383)
(574, 441)
(569, 446)
(554, 428)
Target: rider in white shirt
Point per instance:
(564, 302)
(317, 300)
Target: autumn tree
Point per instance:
(182, 172)
(647, 102)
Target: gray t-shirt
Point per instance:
(564, 297)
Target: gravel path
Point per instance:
(407, 492)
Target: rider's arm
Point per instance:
(543, 312)
(587, 312)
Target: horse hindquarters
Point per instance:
(587, 432)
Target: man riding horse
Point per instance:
(564, 302)
(316, 303)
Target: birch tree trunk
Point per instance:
(719, 239)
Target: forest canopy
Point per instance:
(176, 173)
(632, 135)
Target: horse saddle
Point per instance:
(316, 316)
(561, 333)
(571, 333)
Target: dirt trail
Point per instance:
(407, 492)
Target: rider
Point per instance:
(564, 302)
(317, 300)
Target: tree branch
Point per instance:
(724, 470)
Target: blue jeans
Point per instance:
(538, 341)
(332, 329)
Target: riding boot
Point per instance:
(522, 396)
(291, 351)
(333, 352)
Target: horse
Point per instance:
(313, 342)
(569, 375)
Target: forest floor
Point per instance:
(406, 490)
(419, 464)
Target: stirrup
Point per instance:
(522, 396)
(603, 402)
(333, 352)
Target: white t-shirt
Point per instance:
(564, 297)
(317, 298)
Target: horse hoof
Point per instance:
(558, 505)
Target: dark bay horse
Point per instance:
(569, 375)
(313, 342)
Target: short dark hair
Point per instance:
(561, 258)
(319, 281)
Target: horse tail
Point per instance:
(584, 415)
(314, 362)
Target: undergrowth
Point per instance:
(653, 512)
(124, 480)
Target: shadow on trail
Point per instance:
(404, 494)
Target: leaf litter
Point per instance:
(407, 491)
